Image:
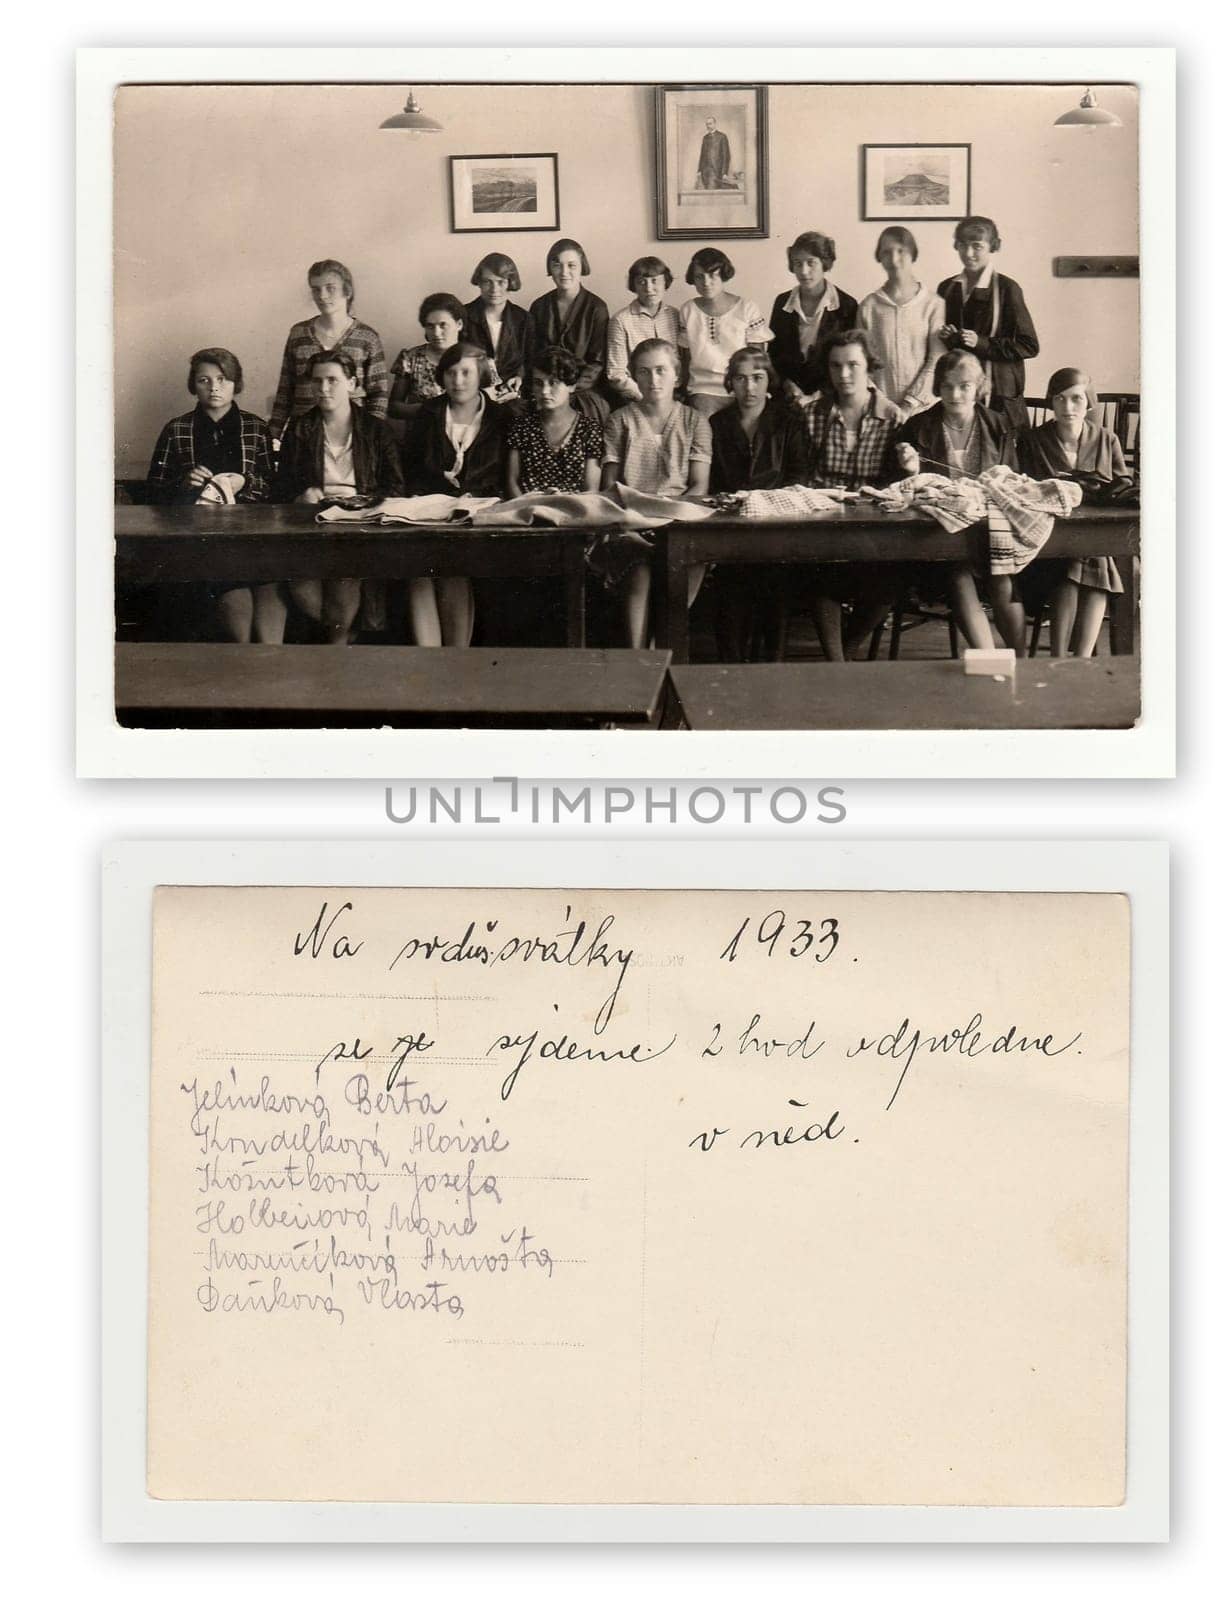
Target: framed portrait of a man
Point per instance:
(711, 161)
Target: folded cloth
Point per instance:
(795, 501)
(620, 507)
(1019, 511)
(412, 508)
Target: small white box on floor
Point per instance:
(989, 663)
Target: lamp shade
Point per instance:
(1088, 114)
(412, 118)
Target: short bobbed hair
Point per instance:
(649, 267)
(896, 235)
(321, 268)
(710, 260)
(556, 362)
(814, 244)
(1071, 378)
(464, 351)
(747, 357)
(498, 266)
(843, 340)
(649, 347)
(978, 228)
(449, 303)
(335, 358)
(947, 364)
(218, 356)
(559, 248)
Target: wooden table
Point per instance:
(860, 532)
(273, 543)
(272, 685)
(1101, 693)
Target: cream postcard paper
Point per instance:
(638, 1196)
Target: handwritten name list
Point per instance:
(630, 1195)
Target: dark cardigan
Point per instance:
(1014, 341)
(785, 351)
(513, 352)
(375, 456)
(775, 457)
(925, 433)
(428, 454)
(583, 333)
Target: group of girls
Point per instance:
(706, 397)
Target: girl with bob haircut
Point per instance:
(334, 451)
(550, 444)
(1074, 444)
(647, 316)
(569, 317)
(455, 446)
(758, 442)
(712, 326)
(333, 328)
(414, 371)
(804, 315)
(987, 314)
(852, 429)
(903, 320)
(219, 453)
(661, 447)
(958, 437)
(501, 329)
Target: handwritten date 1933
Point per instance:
(780, 937)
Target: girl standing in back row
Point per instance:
(334, 328)
(987, 314)
(903, 320)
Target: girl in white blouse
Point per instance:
(712, 326)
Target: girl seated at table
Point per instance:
(335, 450)
(806, 314)
(903, 320)
(987, 314)
(573, 319)
(333, 328)
(1074, 444)
(455, 445)
(757, 443)
(852, 429)
(414, 371)
(712, 326)
(218, 453)
(550, 444)
(661, 447)
(958, 437)
(498, 327)
(646, 316)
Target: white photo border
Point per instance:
(104, 749)
(132, 870)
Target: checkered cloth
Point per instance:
(1020, 511)
(174, 456)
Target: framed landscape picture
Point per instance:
(504, 194)
(711, 161)
(916, 182)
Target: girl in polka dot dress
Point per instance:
(552, 445)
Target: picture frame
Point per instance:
(505, 193)
(711, 161)
(916, 182)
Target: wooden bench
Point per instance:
(271, 685)
(1101, 693)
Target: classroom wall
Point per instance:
(225, 194)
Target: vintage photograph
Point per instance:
(504, 194)
(775, 422)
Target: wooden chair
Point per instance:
(1121, 412)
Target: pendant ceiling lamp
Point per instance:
(412, 118)
(1088, 114)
